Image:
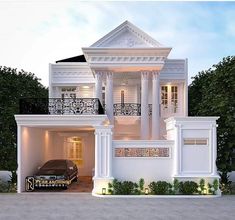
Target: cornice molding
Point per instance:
(60, 120)
(125, 59)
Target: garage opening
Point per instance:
(40, 145)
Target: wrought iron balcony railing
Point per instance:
(126, 109)
(59, 106)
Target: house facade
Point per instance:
(120, 110)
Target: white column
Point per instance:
(155, 106)
(103, 158)
(98, 86)
(109, 96)
(144, 106)
(110, 153)
(97, 152)
(103, 151)
(19, 159)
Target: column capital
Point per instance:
(109, 75)
(99, 75)
(103, 129)
(145, 75)
(155, 75)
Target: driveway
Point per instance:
(84, 206)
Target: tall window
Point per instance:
(103, 96)
(174, 98)
(169, 99)
(164, 95)
(75, 151)
(122, 97)
(68, 92)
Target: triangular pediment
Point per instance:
(126, 35)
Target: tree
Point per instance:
(212, 93)
(13, 86)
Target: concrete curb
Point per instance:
(158, 196)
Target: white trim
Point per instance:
(144, 142)
(60, 120)
(196, 175)
(135, 30)
(158, 196)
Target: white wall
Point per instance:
(126, 128)
(130, 94)
(195, 158)
(149, 168)
(32, 152)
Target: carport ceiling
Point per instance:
(69, 129)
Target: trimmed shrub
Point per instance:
(160, 188)
(176, 184)
(188, 187)
(6, 187)
(125, 187)
(141, 184)
(202, 187)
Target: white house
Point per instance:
(119, 111)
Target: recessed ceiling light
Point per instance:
(86, 87)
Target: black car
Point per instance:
(56, 173)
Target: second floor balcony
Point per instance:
(61, 106)
(84, 106)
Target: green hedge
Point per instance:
(163, 187)
(126, 187)
(160, 188)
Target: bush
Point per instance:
(176, 186)
(3, 186)
(160, 188)
(202, 187)
(6, 187)
(188, 187)
(125, 187)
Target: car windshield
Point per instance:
(55, 164)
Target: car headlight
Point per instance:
(61, 177)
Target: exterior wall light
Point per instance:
(103, 191)
(146, 191)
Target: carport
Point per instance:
(75, 137)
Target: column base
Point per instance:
(99, 183)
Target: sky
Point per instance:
(34, 33)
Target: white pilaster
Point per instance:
(57, 92)
(144, 106)
(103, 158)
(98, 85)
(109, 96)
(186, 89)
(155, 106)
(177, 150)
(97, 153)
(19, 159)
(214, 149)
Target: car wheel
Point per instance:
(76, 179)
(65, 187)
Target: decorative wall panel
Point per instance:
(142, 152)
